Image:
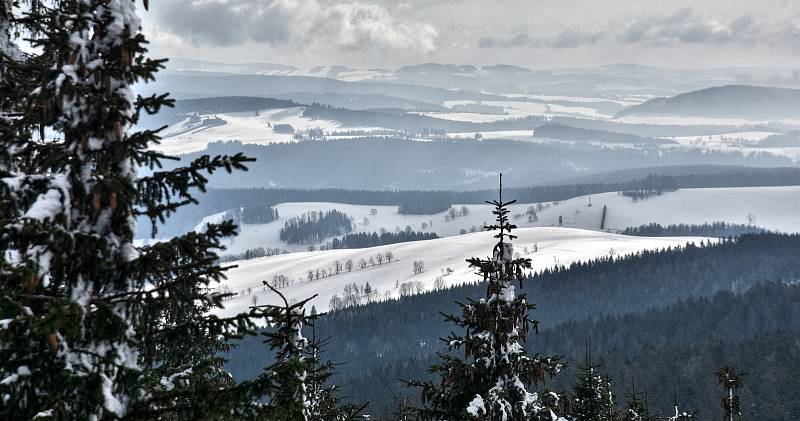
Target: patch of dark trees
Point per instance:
(642, 194)
(365, 239)
(253, 253)
(714, 229)
(253, 214)
(436, 203)
(283, 128)
(314, 227)
(563, 132)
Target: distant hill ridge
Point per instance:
(742, 101)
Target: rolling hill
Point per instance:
(730, 101)
(444, 259)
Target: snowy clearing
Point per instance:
(626, 102)
(517, 109)
(560, 246)
(753, 136)
(500, 134)
(247, 127)
(701, 121)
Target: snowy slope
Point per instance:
(774, 208)
(555, 246)
(246, 127)
(742, 142)
(516, 109)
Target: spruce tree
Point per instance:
(298, 376)
(592, 398)
(492, 382)
(681, 414)
(731, 381)
(638, 406)
(93, 327)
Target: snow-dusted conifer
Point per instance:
(638, 406)
(592, 397)
(493, 381)
(298, 377)
(68, 343)
(76, 298)
(680, 414)
(731, 381)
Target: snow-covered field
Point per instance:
(247, 127)
(500, 134)
(774, 208)
(560, 246)
(469, 117)
(745, 143)
(517, 109)
(752, 136)
(624, 101)
(697, 121)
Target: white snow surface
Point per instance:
(774, 208)
(560, 246)
(516, 109)
(247, 127)
(499, 134)
(696, 121)
(745, 143)
(624, 101)
(735, 137)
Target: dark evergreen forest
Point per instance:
(313, 227)
(365, 239)
(714, 229)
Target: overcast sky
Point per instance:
(533, 33)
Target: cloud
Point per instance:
(345, 25)
(356, 26)
(572, 38)
(521, 40)
(684, 26)
(681, 27)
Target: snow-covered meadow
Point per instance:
(246, 127)
(444, 259)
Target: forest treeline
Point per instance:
(714, 229)
(365, 239)
(564, 132)
(435, 201)
(252, 215)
